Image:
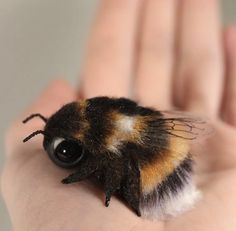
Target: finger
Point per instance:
(229, 99)
(155, 62)
(58, 93)
(108, 66)
(200, 61)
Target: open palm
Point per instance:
(191, 78)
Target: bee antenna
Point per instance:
(33, 134)
(35, 115)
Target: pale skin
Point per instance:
(179, 57)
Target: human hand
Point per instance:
(31, 183)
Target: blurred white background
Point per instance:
(39, 41)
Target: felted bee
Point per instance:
(141, 153)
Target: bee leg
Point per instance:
(131, 188)
(108, 199)
(111, 184)
(131, 194)
(110, 189)
(133, 201)
(75, 177)
(84, 171)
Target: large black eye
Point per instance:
(66, 153)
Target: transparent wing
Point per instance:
(186, 126)
(183, 125)
(181, 129)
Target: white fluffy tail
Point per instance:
(172, 204)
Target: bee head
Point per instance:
(59, 135)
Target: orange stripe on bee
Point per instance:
(156, 171)
(83, 121)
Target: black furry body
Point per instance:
(91, 123)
